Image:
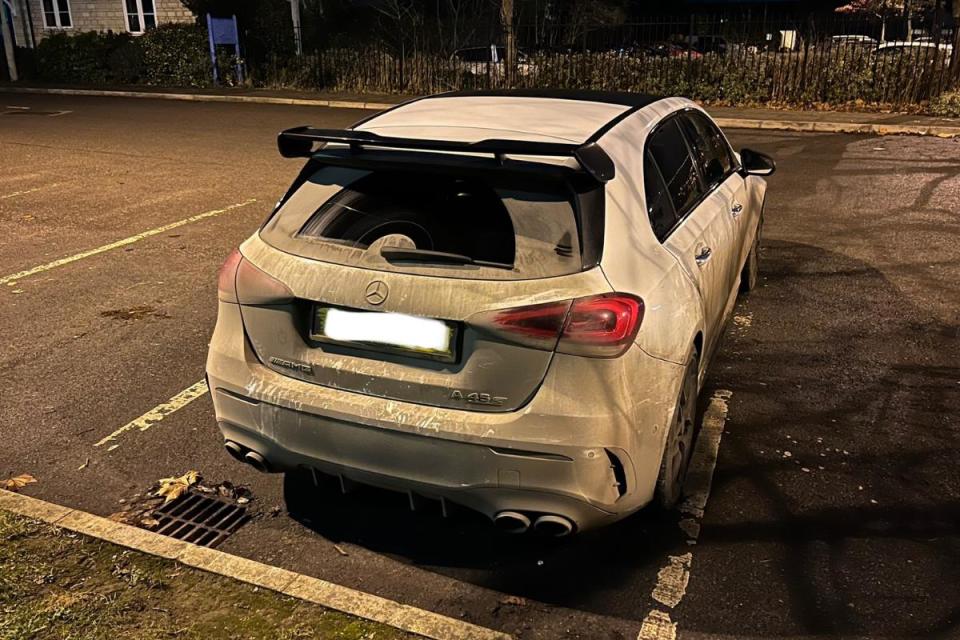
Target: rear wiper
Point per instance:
(436, 257)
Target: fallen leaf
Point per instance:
(340, 550)
(17, 482)
(149, 523)
(516, 601)
(84, 465)
(172, 488)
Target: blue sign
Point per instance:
(223, 31)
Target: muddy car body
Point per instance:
(491, 299)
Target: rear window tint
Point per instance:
(669, 151)
(464, 217)
(494, 230)
(710, 149)
(659, 206)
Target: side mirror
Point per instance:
(755, 163)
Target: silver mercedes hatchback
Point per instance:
(505, 300)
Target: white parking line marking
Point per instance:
(26, 191)
(158, 413)
(704, 460)
(13, 277)
(673, 578)
(658, 626)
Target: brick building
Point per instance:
(32, 20)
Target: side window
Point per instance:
(669, 151)
(56, 14)
(710, 150)
(474, 55)
(659, 207)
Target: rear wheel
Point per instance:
(680, 441)
(751, 268)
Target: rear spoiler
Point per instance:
(299, 143)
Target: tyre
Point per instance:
(680, 440)
(751, 268)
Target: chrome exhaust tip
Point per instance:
(256, 461)
(511, 522)
(234, 450)
(554, 526)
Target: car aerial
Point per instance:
(505, 300)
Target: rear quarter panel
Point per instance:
(633, 259)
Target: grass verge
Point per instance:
(58, 584)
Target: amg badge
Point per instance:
(302, 367)
(474, 397)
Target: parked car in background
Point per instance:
(489, 59)
(710, 44)
(853, 39)
(507, 300)
(670, 50)
(902, 46)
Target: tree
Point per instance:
(883, 9)
(510, 39)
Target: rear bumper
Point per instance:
(476, 476)
(554, 456)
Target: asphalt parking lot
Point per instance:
(835, 502)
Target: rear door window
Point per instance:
(434, 224)
(659, 206)
(710, 149)
(669, 150)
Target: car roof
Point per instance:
(549, 115)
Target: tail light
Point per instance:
(227, 277)
(536, 326)
(240, 282)
(601, 326)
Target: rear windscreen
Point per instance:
(436, 224)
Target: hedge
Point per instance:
(946, 104)
(177, 55)
(170, 55)
(804, 78)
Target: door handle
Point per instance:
(736, 209)
(703, 254)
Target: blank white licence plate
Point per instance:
(395, 332)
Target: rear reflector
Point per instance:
(240, 281)
(602, 326)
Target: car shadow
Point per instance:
(844, 367)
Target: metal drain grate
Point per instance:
(200, 519)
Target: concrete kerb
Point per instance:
(326, 594)
(727, 123)
(202, 97)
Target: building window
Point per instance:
(140, 15)
(56, 14)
